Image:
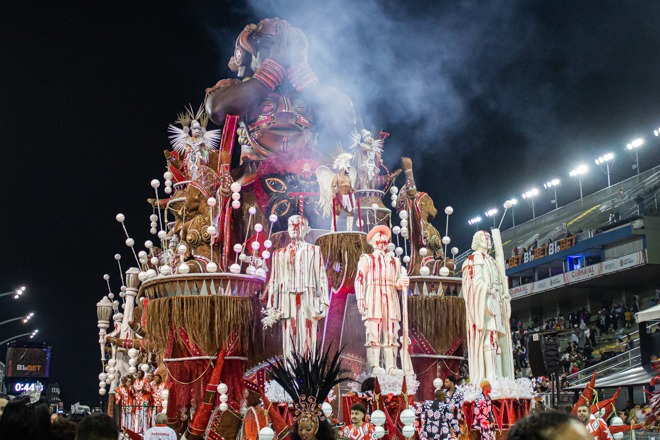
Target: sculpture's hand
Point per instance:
(361, 308)
(404, 282)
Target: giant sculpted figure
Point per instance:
(297, 293)
(379, 276)
(279, 98)
(488, 312)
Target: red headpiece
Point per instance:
(379, 228)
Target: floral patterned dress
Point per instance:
(483, 417)
(436, 418)
(455, 402)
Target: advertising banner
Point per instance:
(28, 362)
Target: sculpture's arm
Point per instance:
(360, 283)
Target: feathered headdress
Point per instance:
(308, 379)
(189, 119)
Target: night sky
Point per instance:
(488, 98)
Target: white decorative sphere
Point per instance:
(449, 210)
(211, 201)
(404, 223)
(155, 183)
(153, 231)
(236, 196)
(148, 244)
(404, 232)
(132, 362)
(235, 268)
(154, 260)
(222, 388)
(437, 383)
(377, 417)
(235, 204)
(424, 271)
(144, 367)
(238, 247)
(130, 242)
(120, 218)
(243, 410)
(394, 197)
(375, 206)
(117, 257)
(115, 303)
(142, 254)
(211, 230)
(168, 175)
(112, 362)
(393, 204)
(258, 227)
(102, 391)
(132, 370)
(111, 377)
(165, 269)
(153, 217)
(398, 251)
(251, 270)
(183, 268)
(408, 431)
(211, 267)
(224, 398)
(162, 234)
(394, 190)
(252, 210)
(151, 273)
(379, 432)
(444, 271)
(255, 245)
(396, 230)
(327, 409)
(407, 417)
(242, 257)
(406, 259)
(168, 189)
(268, 244)
(403, 215)
(106, 277)
(265, 255)
(508, 204)
(182, 248)
(235, 187)
(454, 250)
(154, 224)
(142, 276)
(446, 240)
(390, 247)
(103, 376)
(266, 433)
(423, 251)
(261, 272)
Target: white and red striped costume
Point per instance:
(599, 430)
(298, 291)
(124, 398)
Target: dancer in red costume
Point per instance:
(358, 429)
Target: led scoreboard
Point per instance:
(28, 366)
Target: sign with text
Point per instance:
(28, 362)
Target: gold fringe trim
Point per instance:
(440, 319)
(209, 321)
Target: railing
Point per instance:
(610, 366)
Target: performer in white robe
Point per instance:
(488, 312)
(377, 280)
(297, 292)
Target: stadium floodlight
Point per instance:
(529, 195)
(475, 222)
(513, 202)
(656, 131)
(491, 213)
(633, 146)
(578, 172)
(16, 293)
(554, 183)
(608, 161)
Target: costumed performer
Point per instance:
(337, 190)
(488, 311)
(438, 422)
(596, 427)
(455, 399)
(308, 380)
(297, 292)
(483, 419)
(379, 276)
(358, 429)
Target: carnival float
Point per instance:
(282, 240)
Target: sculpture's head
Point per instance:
(482, 241)
(379, 237)
(298, 227)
